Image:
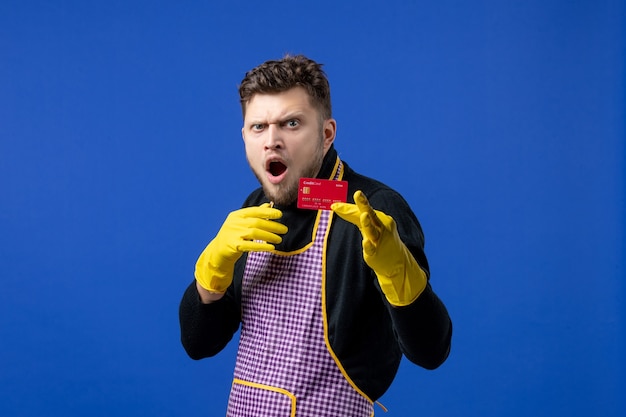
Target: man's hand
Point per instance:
(400, 277)
(245, 230)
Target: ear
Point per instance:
(329, 131)
(243, 136)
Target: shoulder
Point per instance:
(381, 196)
(256, 198)
(386, 199)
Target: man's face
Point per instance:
(285, 140)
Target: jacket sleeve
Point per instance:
(423, 328)
(205, 329)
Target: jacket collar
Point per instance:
(328, 164)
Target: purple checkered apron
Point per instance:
(284, 368)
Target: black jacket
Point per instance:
(367, 335)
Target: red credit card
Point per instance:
(316, 194)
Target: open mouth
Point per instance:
(276, 168)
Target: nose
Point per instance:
(273, 139)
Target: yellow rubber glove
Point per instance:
(400, 277)
(244, 230)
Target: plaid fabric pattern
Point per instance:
(282, 353)
(251, 401)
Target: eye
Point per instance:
(292, 123)
(257, 127)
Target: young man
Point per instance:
(328, 300)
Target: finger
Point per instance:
(372, 226)
(270, 226)
(369, 228)
(261, 212)
(368, 247)
(258, 218)
(254, 246)
(260, 229)
(364, 206)
(262, 235)
(348, 212)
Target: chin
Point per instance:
(280, 194)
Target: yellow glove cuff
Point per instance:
(402, 288)
(211, 277)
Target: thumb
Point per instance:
(369, 248)
(348, 212)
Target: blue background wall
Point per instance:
(501, 122)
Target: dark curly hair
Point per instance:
(291, 71)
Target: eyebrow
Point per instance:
(297, 114)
